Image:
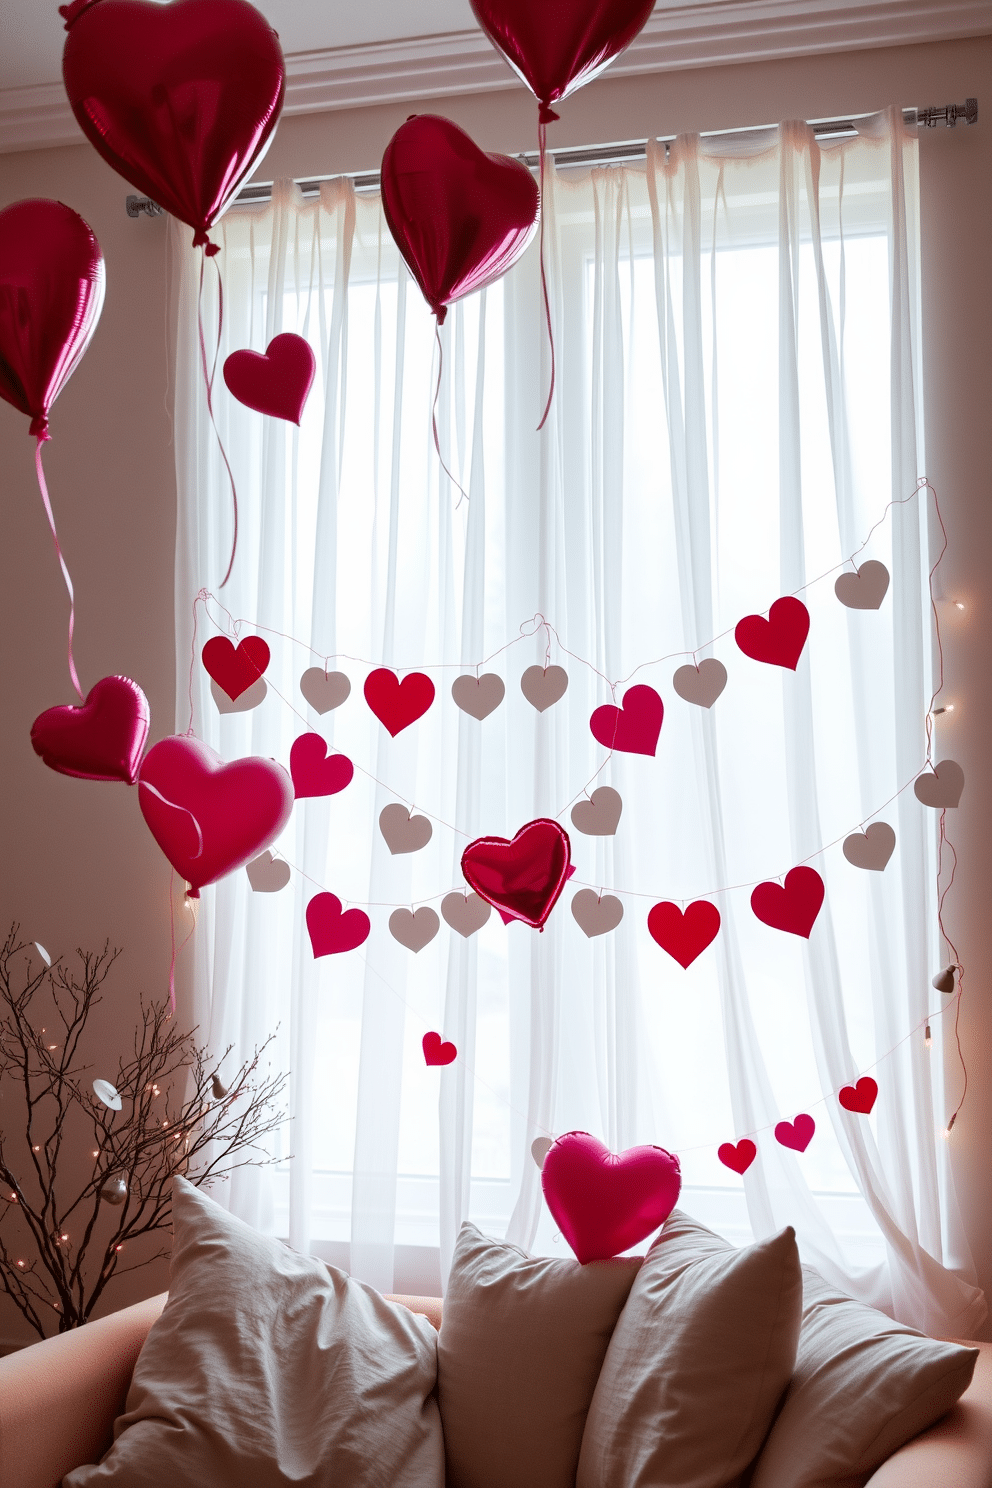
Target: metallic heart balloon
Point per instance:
(277, 383)
(52, 282)
(556, 48)
(522, 878)
(459, 217)
(103, 739)
(604, 1202)
(181, 99)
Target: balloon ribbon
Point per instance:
(208, 383)
(542, 141)
(437, 393)
(42, 436)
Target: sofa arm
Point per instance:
(956, 1452)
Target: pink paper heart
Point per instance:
(332, 930)
(634, 727)
(397, 704)
(792, 906)
(314, 771)
(436, 1051)
(605, 1202)
(738, 1158)
(278, 382)
(101, 740)
(796, 1134)
(779, 640)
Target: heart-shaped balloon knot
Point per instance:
(547, 115)
(440, 312)
(39, 428)
(71, 13)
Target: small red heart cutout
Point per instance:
(792, 906)
(235, 670)
(277, 383)
(314, 772)
(604, 1202)
(796, 1134)
(684, 935)
(437, 1052)
(521, 878)
(101, 740)
(332, 931)
(634, 727)
(738, 1158)
(860, 1097)
(779, 640)
(397, 704)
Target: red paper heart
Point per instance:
(314, 771)
(332, 931)
(792, 906)
(634, 727)
(860, 1097)
(605, 1202)
(796, 1134)
(521, 878)
(397, 704)
(209, 817)
(780, 639)
(684, 935)
(101, 740)
(235, 670)
(436, 1052)
(738, 1158)
(278, 382)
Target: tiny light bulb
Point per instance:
(927, 1038)
(959, 604)
(35, 1149)
(22, 1263)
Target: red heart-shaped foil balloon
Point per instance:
(333, 930)
(278, 382)
(397, 704)
(779, 640)
(235, 669)
(314, 771)
(605, 1202)
(684, 935)
(181, 99)
(556, 48)
(209, 817)
(635, 726)
(103, 739)
(459, 217)
(792, 906)
(521, 878)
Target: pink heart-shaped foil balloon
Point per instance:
(605, 1202)
(277, 383)
(209, 817)
(521, 878)
(103, 739)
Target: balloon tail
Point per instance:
(208, 383)
(172, 938)
(542, 140)
(437, 394)
(43, 488)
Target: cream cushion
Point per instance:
(520, 1348)
(862, 1386)
(269, 1368)
(697, 1364)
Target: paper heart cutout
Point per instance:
(605, 1202)
(860, 1097)
(314, 771)
(397, 704)
(940, 787)
(865, 588)
(871, 848)
(277, 383)
(543, 686)
(701, 685)
(414, 928)
(792, 906)
(244, 702)
(100, 739)
(465, 913)
(796, 1134)
(403, 832)
(779, 640)
(684, 935)
(596, 915)
(324, 690)
(436, 1051)
(333, 931)
(478, 696)
(522, 878)
(539, 1149)
(634, 727)
(266, 874)
(600, 815)
(738, 1158)
(235, 670)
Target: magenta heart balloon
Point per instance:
(208, 817)
(101, 740)
(181, 99)
(459, 217)
(604, 1202)
(52, 282)
(557, 47)
(277, 383)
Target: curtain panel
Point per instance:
(737, 343)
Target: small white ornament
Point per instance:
(701, 685)
(543, 686)
(43, 953)
(414, 928)
(266, 874)
(217, 1087)
(404, 832)
(871, 848)
(114, 1190)
(104, 1091)
(539, 1149)
(600, 815)
(865, 588)
(941, 787)
(324, 690)
(465, 913)
(595, 915)
(244, 702)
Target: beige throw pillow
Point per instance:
(862, 1386)
(521, 1343)
(268, 1368)
(697, 1364)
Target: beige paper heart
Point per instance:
(414, 928)
(872, 848)
(599, 816)
(403, 832)
(539, 1149)
(478, 696)
(942, 787)
(465, 913)
(266, 874)
(701, 685)
(244, 702)
(865, 588)
(324, 690)
(543, 686)
(944, 980)
(595, 915)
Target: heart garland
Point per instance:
(235, 669)
(635, 726)
(314, 771)
(779, 640)
(684, 935)
(397, 704)
(792, 906)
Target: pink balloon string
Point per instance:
(542, 142)
(174, 805)
(437, 394)
(208, 383)
(42, 436)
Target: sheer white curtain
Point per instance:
(737, 339)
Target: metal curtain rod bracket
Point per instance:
(135, 205)
(929, 118)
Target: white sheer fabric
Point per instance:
(737, 402)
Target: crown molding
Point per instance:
(704, 34)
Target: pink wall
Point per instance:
(77, 864)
